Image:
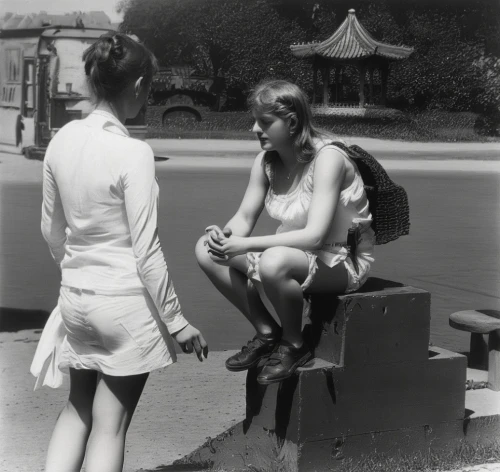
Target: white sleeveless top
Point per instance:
(292, 209)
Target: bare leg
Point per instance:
(69, 439)
(283, 270)
(114, 405)
(229, 277)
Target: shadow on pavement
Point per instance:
(17, 319)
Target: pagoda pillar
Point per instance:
(337, 85)
(315, 82)
(371, 100)
(326, 82)
(362, 73)
(384, 71)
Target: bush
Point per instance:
(426, 126)
(488, 124)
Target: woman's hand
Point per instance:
(233, 246)
(190, 338)
(214, 237)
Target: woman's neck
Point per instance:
(116, 109)
(288, 156)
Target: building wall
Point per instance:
(13, 51)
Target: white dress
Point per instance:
(117, 302)
(291, 210)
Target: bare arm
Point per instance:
(329, 174)
(245, 218)
(243, 222)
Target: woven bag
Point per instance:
(388, 201)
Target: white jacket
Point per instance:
(99, 213)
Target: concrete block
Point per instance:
(384, 322)
(350, 401)
(274, 406)
(256, 448)
(336, 453)
(325, 401)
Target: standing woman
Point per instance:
(316, 192)
(117, 301)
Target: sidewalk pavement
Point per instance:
(237, 154)
(384, 149)
(181, 406)
(17, 169)
(492, 467)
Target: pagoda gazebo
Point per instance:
(351, 44)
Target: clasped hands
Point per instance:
(223, 245)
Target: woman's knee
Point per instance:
(202, 255)
(209, 265)
(274, 265)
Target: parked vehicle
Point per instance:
(183, 95)
(43, 86)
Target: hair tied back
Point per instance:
(103, 48)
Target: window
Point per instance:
(29, 89)
(13, 68)
(8, 95)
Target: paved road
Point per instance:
(453, 249)
(381, 149)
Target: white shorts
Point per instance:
(354, 279)
(116, 335)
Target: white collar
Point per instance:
(110, 122)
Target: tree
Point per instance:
(248, 40)
(241, 41)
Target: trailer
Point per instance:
(43, 85)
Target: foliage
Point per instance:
(434, 125)
(448, 39)
(489, 98)
(454, 66)
(240, 40)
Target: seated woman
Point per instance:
(316, 192)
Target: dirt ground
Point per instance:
(181, 406)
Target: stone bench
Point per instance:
(374, 385)
(479, 323)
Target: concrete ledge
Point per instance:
(240, 447)
(384, 322)
(323, 402)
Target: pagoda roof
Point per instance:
(350, 41)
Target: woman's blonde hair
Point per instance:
(284, 99)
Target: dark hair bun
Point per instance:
(117, 48)
(103, 48)
(113, 62)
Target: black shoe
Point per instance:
(250, 355)
(283, 362)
